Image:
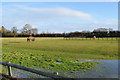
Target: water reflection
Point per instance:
(108, 69)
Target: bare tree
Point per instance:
(27, 29)
(14, 31)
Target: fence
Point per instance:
(98, 38)
(50, 75)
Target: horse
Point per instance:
(30, 38)
(94, 37)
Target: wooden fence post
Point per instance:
(9, 70)
(56, 73)
(46, 74)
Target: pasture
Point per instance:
(58, 53)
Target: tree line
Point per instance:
(28, 30)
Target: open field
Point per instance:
(58, 53)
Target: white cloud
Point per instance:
(70, 27)
(107, 22)
(101, 24)
(56, 12)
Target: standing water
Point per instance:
(107, 69)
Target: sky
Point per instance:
(59, 17)
(59, 0)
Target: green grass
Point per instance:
(45, 52)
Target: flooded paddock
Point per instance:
(107, 69)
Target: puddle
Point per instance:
(59, 62)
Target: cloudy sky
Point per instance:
(60, 16)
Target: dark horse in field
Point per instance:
(30, 38)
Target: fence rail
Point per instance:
(50, 75)
(91, 38)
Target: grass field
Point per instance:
(58, 53)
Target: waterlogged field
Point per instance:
(57, 53)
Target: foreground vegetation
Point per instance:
(58, 53)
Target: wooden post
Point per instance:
(47, 74)
(56, 73)
(9, 70)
